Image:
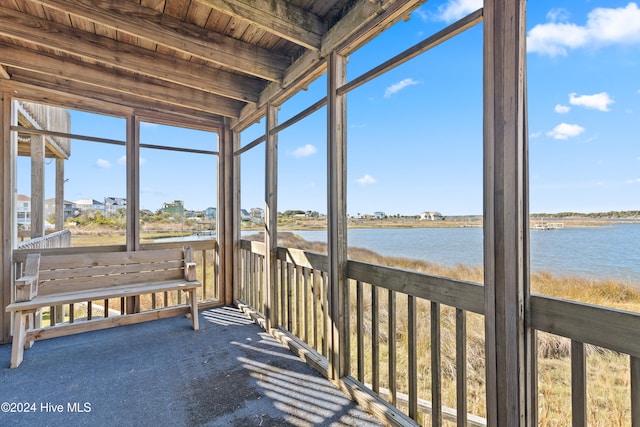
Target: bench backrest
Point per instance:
(62, 273)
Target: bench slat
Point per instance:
(64, 272)
(109, 258)
(103, 292)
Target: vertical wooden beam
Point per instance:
(271, 218)
(7, 212)
(337, 216)
(226, 205)
(578, 384)
(235, 212)
(133, 183)
(37, 186)
(132, 304)
(59, 194)
(505, 216)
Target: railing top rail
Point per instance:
(602, 326)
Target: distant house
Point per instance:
(175, 208)
(257, 214)
(89, 205)
(431, 216)
(244, 215)
(23, 210)
(112, 204)
(69, 210)
(210, 213)
(379, 215)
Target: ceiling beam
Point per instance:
(276, 17)
(109, 81)
(131, 18)
(57, 91)
(361, 23)
(3, 73)
(136, 59)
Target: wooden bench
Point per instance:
(54, 280)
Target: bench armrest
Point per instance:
(25, 287)
(190, 271)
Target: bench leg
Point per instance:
(35, 321)
(193, 299)
(19, 338)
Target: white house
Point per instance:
(431, 216)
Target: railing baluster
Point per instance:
(52, 315)
(89, 310)
(635, 391)
(412, 344)
(375, 344)
(106, 308)
(289, 293)
(72, 314)
(360, 329)
(461, 367)
(533, 354)
(298, 302)
(392, 348)
(326, 332)
(204, 274)
(578, 385)
(153, 301)
(314, 317)
(305, 289)
(436, 371)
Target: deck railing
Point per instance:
(58, 239)
(47, 117)
(205, 255)
(394, 344)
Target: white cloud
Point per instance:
(558, 14)
(599, 101)
(102, 163)
(397, 87)
(535, 134)
(304, 151)
(565, 131)
(633, 181)
(562, 109)
(604, 26)
(456, 9)
(366, 179)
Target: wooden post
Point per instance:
(59, 194)
(225, 213)
(337, 217)
(37, 186)
(506, 216)
(271, 218)
(235, 215)
(7, 199)
(132, 304)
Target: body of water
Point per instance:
(602, 252)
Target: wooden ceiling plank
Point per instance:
(130, 17)
(277, 17)
(120, 105)
(108, 51)
(116, 82)
(152, 98)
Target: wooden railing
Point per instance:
(388, 326)
(59, 239)
(205, 255)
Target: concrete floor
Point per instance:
(162, 373)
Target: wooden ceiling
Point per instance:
(205, 59)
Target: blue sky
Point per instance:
(415, 133)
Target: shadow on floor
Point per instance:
(229, 373)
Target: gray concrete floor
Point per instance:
(162, 373)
